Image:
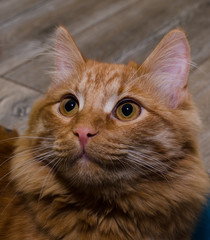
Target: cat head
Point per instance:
(102, 124)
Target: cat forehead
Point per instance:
(101, 85)
(103, 75)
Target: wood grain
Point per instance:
(200, 89)
(195, 21)
(116, 40)
(11, 8)
(15, 104)
(29, 30)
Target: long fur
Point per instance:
(143, 179)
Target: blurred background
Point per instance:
(108, 30)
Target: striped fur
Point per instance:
(143, 179)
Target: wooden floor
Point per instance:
(108, 30)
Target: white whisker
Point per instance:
(27, 137)
(56, 162)
(41, 158)
(28, 153)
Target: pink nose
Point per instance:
(84, 133)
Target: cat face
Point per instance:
(93, 139)
(111, 123)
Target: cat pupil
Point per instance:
(70, 105)
(127, 109)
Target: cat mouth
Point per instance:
(84, 157)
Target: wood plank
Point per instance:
(194, 20)
(203, 106)
(199, 79)
(200, 89)
(34, 25)
(197, 25)
(115, 40)
(31, 22)
(111, 39)
(205, 150)
(11, 8)
(32, 74)
(16, 56)
(15, 104)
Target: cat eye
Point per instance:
(69, 106)
(127, 110)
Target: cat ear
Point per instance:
(169, 66)
(67, 56)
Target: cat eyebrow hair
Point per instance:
(81, 101)
(110, 104)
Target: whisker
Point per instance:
(57, 162)
(27, 137)
(25, 168)
(156, 162)
(158, 168)
(8, 204)
(29, 150)
(16, 168)
(150, 168)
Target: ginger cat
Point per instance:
(110, 152)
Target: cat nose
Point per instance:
(84, 134)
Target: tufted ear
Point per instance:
(169, 66)
(67, 56)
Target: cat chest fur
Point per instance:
(137, 215)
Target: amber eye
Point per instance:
(127, 111)
(69, 106)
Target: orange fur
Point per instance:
(143, 179)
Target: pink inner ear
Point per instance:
(169, 65)
(67, 55)
(61, 60)
(176, 62)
